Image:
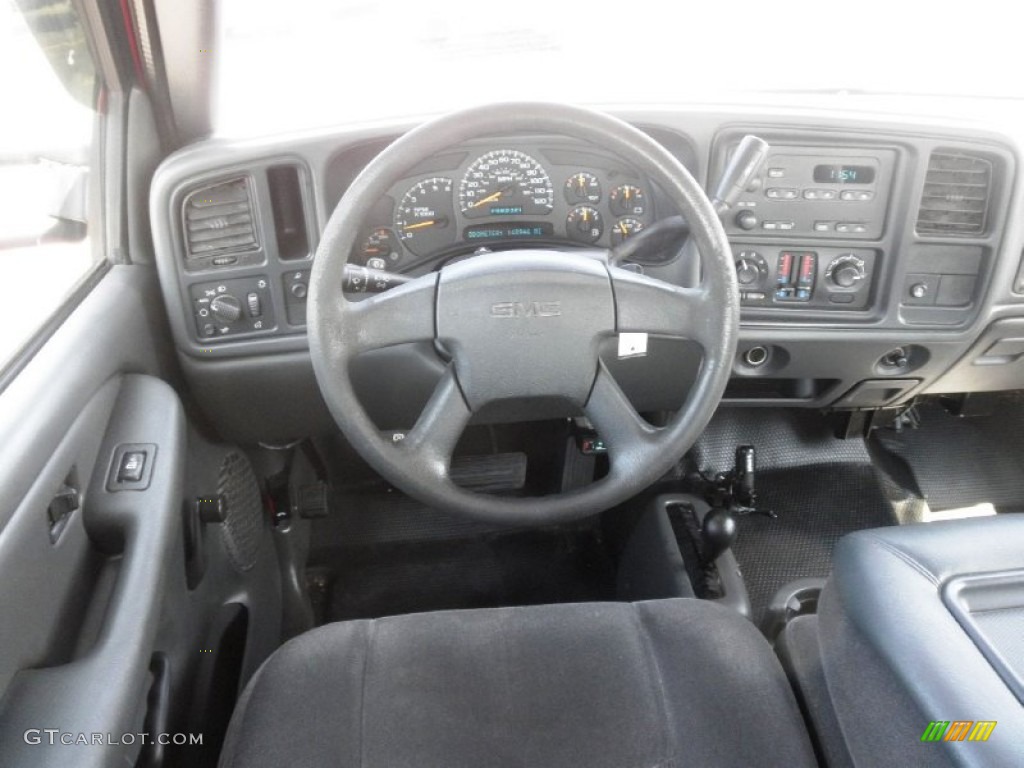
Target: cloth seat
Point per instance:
(654, 684)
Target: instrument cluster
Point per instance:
(509, 196)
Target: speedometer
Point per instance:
(506, 182)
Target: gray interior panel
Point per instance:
(102, 687)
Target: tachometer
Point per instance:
(506, 182)
(424, 218)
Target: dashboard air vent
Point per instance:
(956, 194)
(219, 219)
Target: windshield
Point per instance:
(307, 63)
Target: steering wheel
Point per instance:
(523, 324)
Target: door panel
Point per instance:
(80, 594)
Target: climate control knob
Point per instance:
(226, 308)
(846, 271)
(747, 272)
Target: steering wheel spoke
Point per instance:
(439, 427)
(646, 305)
(399, 316)
(616, 420)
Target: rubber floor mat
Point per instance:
(816, 506)
(962, 461)
(783, 438)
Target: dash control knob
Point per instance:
(226, 308)
(846, 271)
(747, 272)
(746, 220)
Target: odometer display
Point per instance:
(505, 182)
(507, 230)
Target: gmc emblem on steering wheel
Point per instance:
(516, 309)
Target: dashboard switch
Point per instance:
(784, 271)
(226, 308)
(252, 301)
(808, 266)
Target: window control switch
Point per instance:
(132, 465)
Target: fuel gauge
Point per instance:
(381, 244)
(624, 229)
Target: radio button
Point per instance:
(819, 194)
(857, 195)
(857, 227)
(781, 193)
(824, 226)
(776, 173)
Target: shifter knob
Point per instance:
(718, 533)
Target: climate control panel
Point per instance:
(801, 277)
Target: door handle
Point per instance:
(67, 499)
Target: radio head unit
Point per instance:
(840, 193)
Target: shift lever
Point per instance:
(717, 533)
(742, 168)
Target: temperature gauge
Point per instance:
(584, 225)
(624, 229)
(628, 200)
(582, 187)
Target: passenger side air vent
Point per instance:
(956, 194)
(219, 219)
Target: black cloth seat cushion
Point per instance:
(660, 683)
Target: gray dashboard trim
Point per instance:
(820, 339)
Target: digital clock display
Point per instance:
(507, 230)
(844, 174)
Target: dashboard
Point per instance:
(877, 259)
